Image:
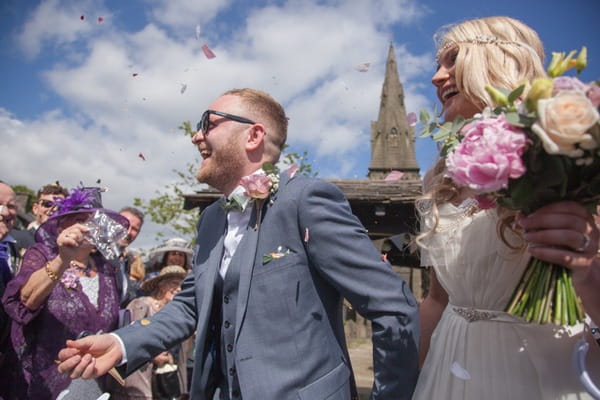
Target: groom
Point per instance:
(268, 282)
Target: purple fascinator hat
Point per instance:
(80, 200)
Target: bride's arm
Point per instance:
(430, 312)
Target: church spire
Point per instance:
(392, 139)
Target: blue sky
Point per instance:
(71, 108)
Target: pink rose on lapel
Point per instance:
(257, 186)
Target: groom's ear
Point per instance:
(256, 137)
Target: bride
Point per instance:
(470, 347)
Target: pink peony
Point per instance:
(488, 155)
(257, 185)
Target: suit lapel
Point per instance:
(245, 255)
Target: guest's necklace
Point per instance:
(85, 269)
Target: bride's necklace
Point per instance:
(467, 207)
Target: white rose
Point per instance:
(563, 122)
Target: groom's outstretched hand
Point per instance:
(89, 357)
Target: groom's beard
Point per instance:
(224, 165)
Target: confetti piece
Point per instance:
(208, 52)
(459, 371)
(411, 119)
(145, 322)
(393, 177)
(384, 257)
(134, 74)
(82, 17)
(100, 19)
(183, 87)
(197, 32)
(292, 170)
(306, 235)
(364, 67)
(141, 155)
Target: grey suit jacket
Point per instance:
(289, 341)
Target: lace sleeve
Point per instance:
(34, 259)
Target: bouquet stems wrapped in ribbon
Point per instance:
(523, 155)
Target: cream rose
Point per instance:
(563, 122)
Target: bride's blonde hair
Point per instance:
(498, 51)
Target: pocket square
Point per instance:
(280, 252)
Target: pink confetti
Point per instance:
(100, 19)
(82, 17)
(364, 67)
(208, 52)
(411, 118)
(306, 235)
(292, 170)
(393, 177)
(134, 74)
(141, 155)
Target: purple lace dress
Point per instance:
(37, 336)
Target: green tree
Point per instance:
(167, 207)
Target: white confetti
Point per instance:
(459, 371)
(197, 32)
(364, 67)
(306, 235)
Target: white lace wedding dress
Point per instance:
(477, 351)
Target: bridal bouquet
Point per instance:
(525, 154)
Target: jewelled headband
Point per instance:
(482, 39)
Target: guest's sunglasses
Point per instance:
(204, 123)
(46, 203)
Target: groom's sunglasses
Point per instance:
(204, 123)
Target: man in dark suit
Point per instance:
(131, 268)
(269, 278)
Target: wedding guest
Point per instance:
(174, 251)
(44, 204)
(42, 208)
(271, 269)
(473, 349)
(64, 288)
(8, 215)
(162, 289)
(131, 267)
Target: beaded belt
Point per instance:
(471, 314)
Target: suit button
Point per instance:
(230, 348)
(226, 299)
(226, 324)
(232, 371)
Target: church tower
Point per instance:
(392, 139)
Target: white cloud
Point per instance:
(58, 23)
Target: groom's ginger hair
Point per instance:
(266, 110)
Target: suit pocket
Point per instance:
(334, 385)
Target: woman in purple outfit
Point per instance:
(65, 288)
